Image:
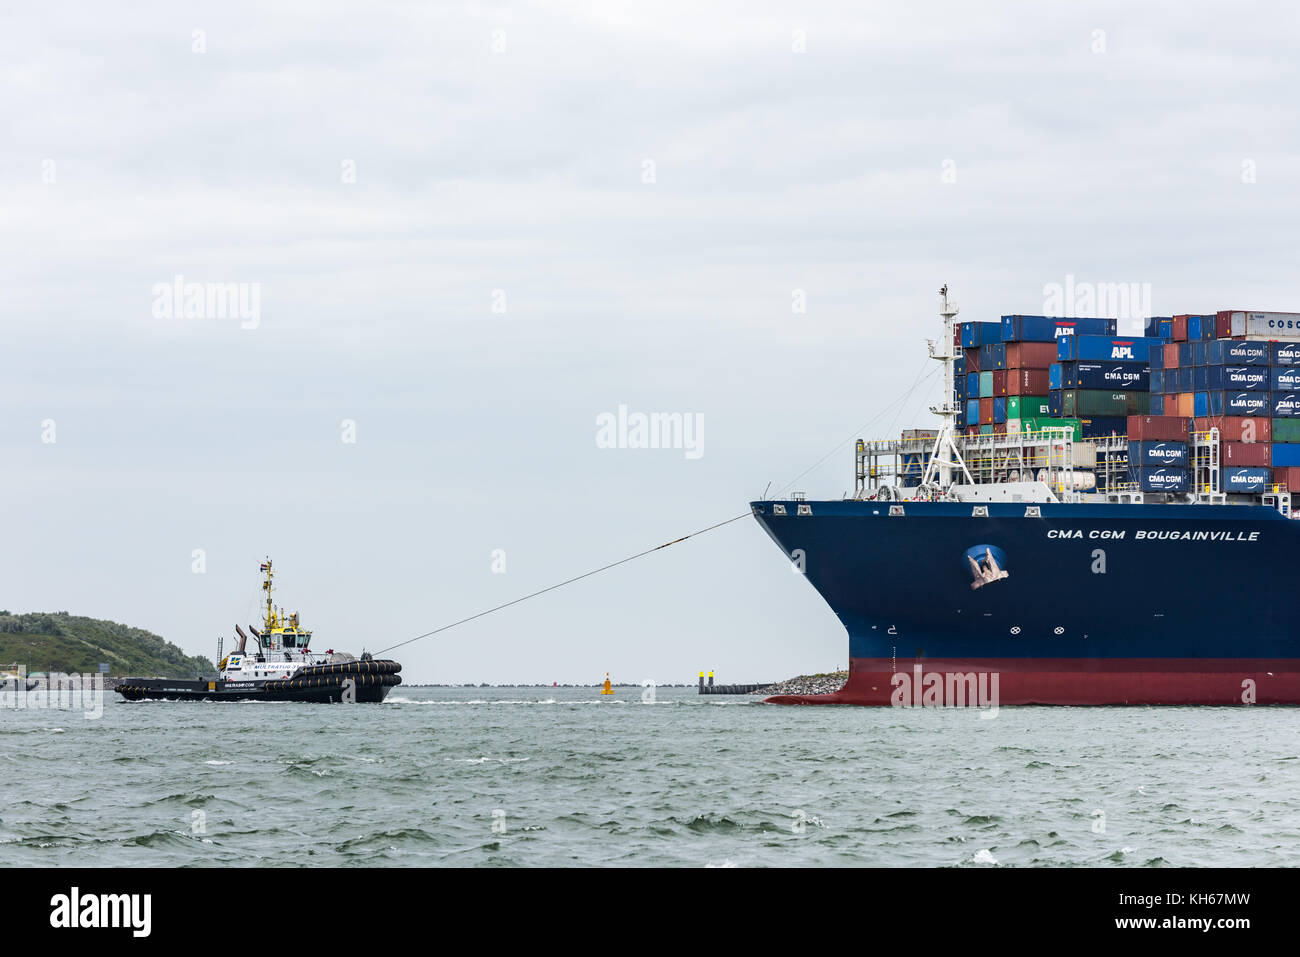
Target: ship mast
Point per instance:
(269, 620)
(945, 453)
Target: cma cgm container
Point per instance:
(1285, 405)
(1105, 375)
(1285, 353)
(1246, 479)
(1106, 348)
(1159, 479)
(1238, 403)
(1232, 378)
(1157, 454)
(1266, 325)
(1225, 352)
(1284, 378)
(1238, 428)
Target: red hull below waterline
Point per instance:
(999, 682)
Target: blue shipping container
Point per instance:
(1201, 378)
(1054, 376)
(1102, 348)
(1285, 455)
(1239, 403)
(973, 385)
(1156, 382)
(973, 410)
(1156, 360)
(1200, 353)
(1159, 479)
(959, 365)
(1285, 379)
(1101, 426)
(1246, 479)
(1155, 454)
(1183, 379)
(1285, 405)
(993, 355)
(1152, 326)
(975, 334)
(1236, 378)
(1283, 353)
(1054, 403)
(1200, 404)
(1084, 327)
(1156, 405)
(1185, 358)
(1130, 376)
(1166, 329)
(1226, 352)
(1028, 329)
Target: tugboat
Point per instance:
(284, 668)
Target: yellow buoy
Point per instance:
(609, 688)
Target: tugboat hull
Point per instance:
(353, 682)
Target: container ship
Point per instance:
(1100, 519)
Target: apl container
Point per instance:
(1157, 454)
(1246, 479)
(1106, 348)
(1241, 403)
(1159, 479)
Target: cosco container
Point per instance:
(1159, 479)
(1106, 348)
(1239, 403)
(1266, 325)
(1245, 479)
(1156, 454)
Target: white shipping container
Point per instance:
(1266, 325)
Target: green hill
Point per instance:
(57, 641)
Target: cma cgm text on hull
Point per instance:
(1053, 560)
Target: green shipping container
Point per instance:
(986, 430)
(986, 385)
(1090, 402)
(1028, 406)
(1286, 430)
(1041, 423)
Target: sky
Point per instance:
(466, 234)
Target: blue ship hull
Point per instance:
(1076, 604)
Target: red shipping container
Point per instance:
(1000, 382)
(1000, 428)
(1240, 454)
(1157, 428)
(986, 411)
(1233, 428)
(1180, 329)
(1223, 324)
(1171, 358)
(1028, 382)
(1288, 479)
(1030, 355)
(972, 430)
(973, 360)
